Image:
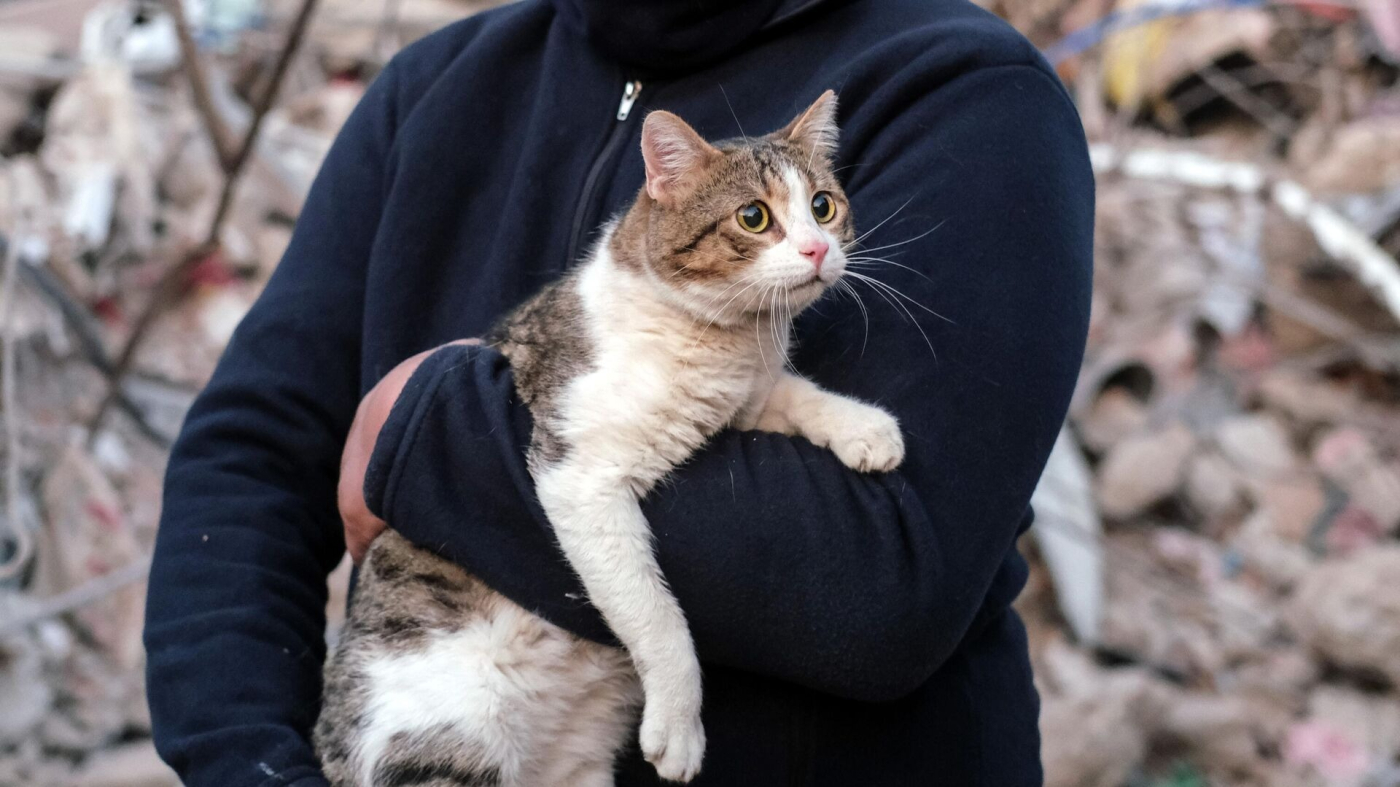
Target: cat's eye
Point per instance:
(823, 207)
(753, 217)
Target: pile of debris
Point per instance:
(1213, 598)
(153, 158)
(1217, 528)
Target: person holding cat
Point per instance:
(853, 628)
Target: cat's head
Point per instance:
(745, 226)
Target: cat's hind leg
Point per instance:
(600, 695)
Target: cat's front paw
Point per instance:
(868, 440)
(675, 744)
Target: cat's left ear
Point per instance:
(815, 129)
(675, 156)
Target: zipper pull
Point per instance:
(629, 97)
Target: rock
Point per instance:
(1143, 470)
(1372, 720)
(1275, 684)
(1341, 452)
(1114, 415)
(1156, 611)
(1385, 20)
(1294, 507)
(1095, 724)
(1327, 752)
(1258, 445)
(1347, 610)
(86, 534)
(24, 694)
(1361, 156)
(1281, 561)
(1347, 457)
(14, 110)
(272, 242)
(220, 312)
(1306, 399)
(191, 174)
(1099, 726)
(1352, 529)
(1213, 485)
(1090, 741)
(1218, 730)
(1377, 490)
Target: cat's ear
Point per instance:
(815, 129)
(675, 156)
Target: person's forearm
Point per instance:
(786, 563)
(235, 632)
(235, 622)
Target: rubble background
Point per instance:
(1214, 591)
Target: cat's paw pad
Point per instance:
(674, 744)
(869, 440)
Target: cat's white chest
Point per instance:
(659, 378)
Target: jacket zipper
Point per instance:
(630, 91)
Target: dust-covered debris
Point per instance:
(1348, 611)
(1239, 409)
(110, 181)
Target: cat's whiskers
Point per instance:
(845, 286)
(734, 114)
(898, 293)
(758, 339)
(718, 312)
(882, 288)
(787, 338)
(866, 234)
(898, 243)
(775, 315)
(871, 261)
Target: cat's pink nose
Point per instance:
(814, 249)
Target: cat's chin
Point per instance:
(809, 292)
(796, 298)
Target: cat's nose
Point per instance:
(814, 249)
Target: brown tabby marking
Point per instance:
(701, 240)
(545, 340)
(404, 594)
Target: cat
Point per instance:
(675, 326)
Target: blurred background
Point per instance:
(1215, 595)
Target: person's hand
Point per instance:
(362, 526)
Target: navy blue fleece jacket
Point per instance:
(855, 629)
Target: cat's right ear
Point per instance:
(675, 156)
(815, 129)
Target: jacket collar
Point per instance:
(670, 35)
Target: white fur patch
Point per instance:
(534, 702)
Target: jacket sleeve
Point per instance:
(235, 619)
(786, 563)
